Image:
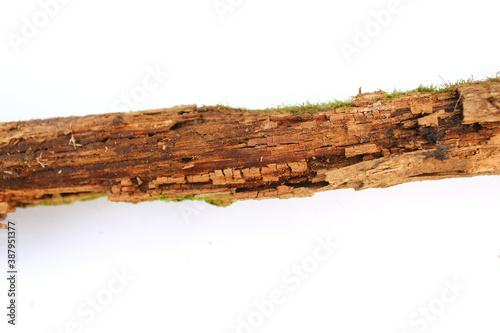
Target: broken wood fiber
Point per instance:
(223, 155)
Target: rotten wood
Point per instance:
(228, 155)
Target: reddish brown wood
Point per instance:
(228, 155)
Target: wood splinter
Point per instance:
(222, 155)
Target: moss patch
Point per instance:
(68, 198)
(440, 88)
(219, 200)
(302, 108)
(309, 107)
(93, 197)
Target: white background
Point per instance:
(198, 268)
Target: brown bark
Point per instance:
(224, 156)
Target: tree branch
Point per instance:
(223, 155)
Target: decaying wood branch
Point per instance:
(227, 155)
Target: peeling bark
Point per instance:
(225, 156)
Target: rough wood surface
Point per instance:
(224, 156)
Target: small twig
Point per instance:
(72, 141)
(41, 163)
(459, 97)
(444, 81)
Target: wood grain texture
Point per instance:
(224, 156)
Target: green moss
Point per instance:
(228, 108)
(187, 197)
(422, 89)
(220, 200)
(60, 199)
(54, 200)
(93, 197)
(47, 203)
(309, 107)
(306, 107)
(162, 198)
(440, 88)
